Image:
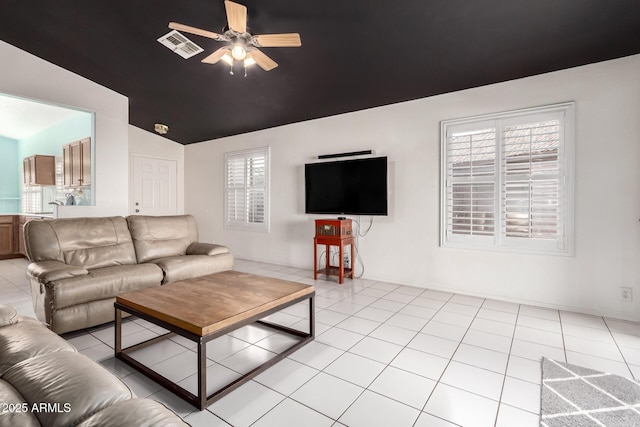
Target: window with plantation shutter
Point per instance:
(471, 164)
(507, 181)
(246, 190)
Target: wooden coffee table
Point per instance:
(206, 308)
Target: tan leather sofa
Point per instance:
(171, 242)
(44, 381)
(79, 265)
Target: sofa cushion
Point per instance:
(25, 339)
(190, 266)
(135, 413)
(15, 411)
(8, 315)
(84, 242)
(162, 236)
(103, 283)
(71, 383)
(198, 248)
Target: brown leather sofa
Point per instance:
(79, 265)
(44, 381)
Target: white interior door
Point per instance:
(154, 186)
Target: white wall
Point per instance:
(404, 247)
(149, 144)
(28, 76)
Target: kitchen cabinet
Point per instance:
(66, 166)
(39, 170)
(7, 232)
(76, 159)
(12, 236)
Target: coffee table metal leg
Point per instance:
(202, 374)
(118, 332)
(312, 317)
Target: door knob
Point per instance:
(137, 210)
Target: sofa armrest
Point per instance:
(48, 271)
(197, 248)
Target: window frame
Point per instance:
(245, 224)
(564, 245)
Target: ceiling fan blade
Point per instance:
(263, 60)
(278, 40)
(215, 56)
(236, 16)
(194, 30)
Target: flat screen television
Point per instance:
(350, 187)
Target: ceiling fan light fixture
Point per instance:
(238, 52)
(248, 61)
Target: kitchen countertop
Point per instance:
(39, 215)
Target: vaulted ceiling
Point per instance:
(355, 54)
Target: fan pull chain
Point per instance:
(231, 70)
(245, 70)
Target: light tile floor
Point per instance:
(384, 354)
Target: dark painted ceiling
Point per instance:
(355, 54)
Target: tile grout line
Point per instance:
(564, 342)
(619, 349)
(506, 369)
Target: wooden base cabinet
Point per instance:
(11, 235)
(7, 233)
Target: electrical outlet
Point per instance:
(626, 294)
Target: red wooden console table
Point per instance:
(334, 232)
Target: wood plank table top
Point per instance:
(207, 304)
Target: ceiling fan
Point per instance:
(242, 46)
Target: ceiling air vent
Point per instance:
(180, 44)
